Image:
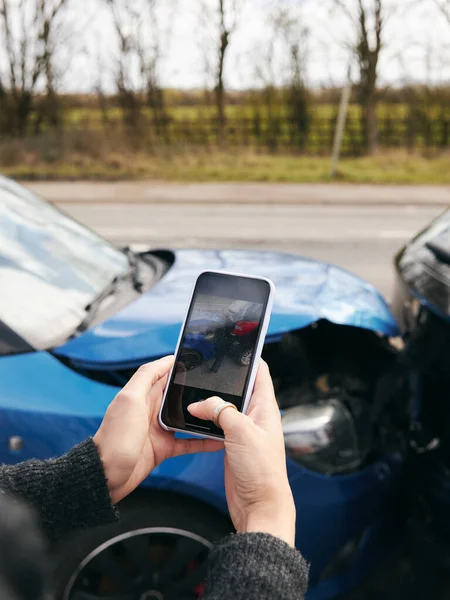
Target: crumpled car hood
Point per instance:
(307, 291)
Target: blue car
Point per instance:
(199, 344)
(79, 316)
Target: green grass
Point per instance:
(195, 126)
(93, 115)
(392, 167)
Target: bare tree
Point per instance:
(99, 87)
(368, 19)
(29, 39)
(22, 70)
(368, 54)
(266, 75)
(280, 67)
(124, 15)
(149, 62)
(225, 31)
(141, 49)
(222, 17)
(52, 36)
(444, 7)
(294, 38)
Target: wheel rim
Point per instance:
(144, 564)
(246, 357)
(191, 360)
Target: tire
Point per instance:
(157, 551)
(191, 359)
(244, 358)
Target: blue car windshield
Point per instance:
(50, 267)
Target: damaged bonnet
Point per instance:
(323, 291)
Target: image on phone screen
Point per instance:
(217, 347)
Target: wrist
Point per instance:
(106, 469)
(278, 521)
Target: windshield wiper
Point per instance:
(440, 253)
(110, 289)
(93, 306)
(135, 269)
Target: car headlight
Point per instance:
(322, 437)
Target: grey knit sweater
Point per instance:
(70, 493)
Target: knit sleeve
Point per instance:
(256, 566)
(69, 493)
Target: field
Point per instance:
(389, 167)
(93, 114)
(188, 145)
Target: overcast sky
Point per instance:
(417, 44)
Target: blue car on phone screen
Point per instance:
(199, 344)
(79, 316)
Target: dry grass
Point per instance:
(92, 155)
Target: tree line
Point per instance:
(34, 34)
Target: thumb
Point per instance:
(146, 376)
(230, 420)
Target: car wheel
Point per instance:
(244, 358)
(191, 359)
(157, 552)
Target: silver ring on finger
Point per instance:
(219, 408)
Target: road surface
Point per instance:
(230, 378)
(237, 193)
(362, 239)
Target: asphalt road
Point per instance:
(229, 379)
(362, 238)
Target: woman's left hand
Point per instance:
(130, 440)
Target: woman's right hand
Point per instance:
(258, 493)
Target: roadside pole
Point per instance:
(340, 126)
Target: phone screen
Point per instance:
(217, 349)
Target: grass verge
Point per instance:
(216, 166)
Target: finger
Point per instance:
(230, 420)
(263, 381)
(161, 383)
(147, 375)
(186, 446)
(263, 392)
(155, 398)
(180, 380)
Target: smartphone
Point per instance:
(218, 349)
